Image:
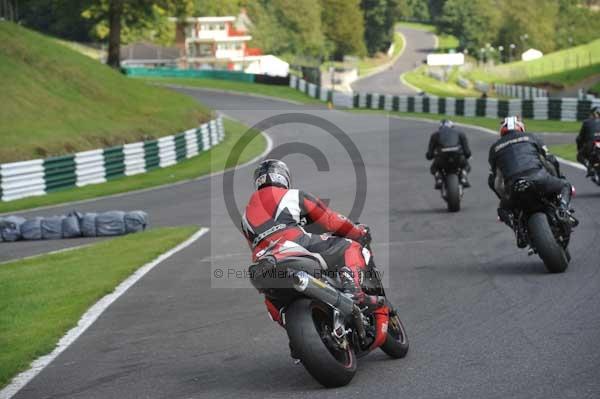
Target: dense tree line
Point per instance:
(547, 25)
(311, 28)
(320, 28)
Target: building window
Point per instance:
(191, 50)
(205, 50)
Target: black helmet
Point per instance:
(446, 123)
(595, 112)
(272, 172)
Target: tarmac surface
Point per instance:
(416, 47)
(484, 319)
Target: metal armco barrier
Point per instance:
(41, 176)
(524, 92)
(541, 108)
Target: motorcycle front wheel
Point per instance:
(309, 326)
(540, 234)
(396, 342)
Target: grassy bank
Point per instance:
(205, 163)
(419, 78)
(534, 126)
(42, 298)
(368, 64)
(283, 92)
(445, 42)
(564, 67)
(57, 101)
(566, 151)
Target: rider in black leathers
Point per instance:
(589, 132)
(523, 155)
(447, 137)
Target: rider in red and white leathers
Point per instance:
(276, 213)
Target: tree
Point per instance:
(114, 17)
(217, 8)
(301, 22)
(528, 24)
(379, 19)
(60, 18)
(343, 26)
(576, 23)
(474, 23)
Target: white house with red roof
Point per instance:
(213, 42)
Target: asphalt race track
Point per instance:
(416, 47)
(484, 319)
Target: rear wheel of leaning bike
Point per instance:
(309, 328)
(540, 234)
(453, 192)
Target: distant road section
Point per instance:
(417, 44)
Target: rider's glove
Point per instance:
(365, 238)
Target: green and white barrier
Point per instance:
(41, 176)
(541, 108)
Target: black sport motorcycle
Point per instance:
(594, 163)
(327, 331)
(541, 224)
(452, 188)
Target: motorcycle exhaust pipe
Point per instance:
(314, 288)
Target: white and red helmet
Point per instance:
(511, 123)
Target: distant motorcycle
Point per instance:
(542, 225)
(595, 163)
(327, 331)
(452, 189)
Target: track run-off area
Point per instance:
(484, 319)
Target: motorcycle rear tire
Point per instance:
(540, 234)
(312, 351)
(453, 192)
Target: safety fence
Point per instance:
(41, 176)
(541, 108)
(238, 76)
(518, 91)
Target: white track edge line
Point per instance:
(89, 317)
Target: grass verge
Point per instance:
(42, 298)
(446, 42)
(366, 65)
(489, 123)
(566, 151)
(205, 163)
(55, 101)
(284, 92)
(563, 67)
(418, 78)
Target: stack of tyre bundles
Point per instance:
(75, 224)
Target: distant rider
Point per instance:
(447, 137)
(523, 155)
(276, 214)
(589, 132)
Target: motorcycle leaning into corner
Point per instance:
(327, 331)
(540, 223)
(594, 163)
